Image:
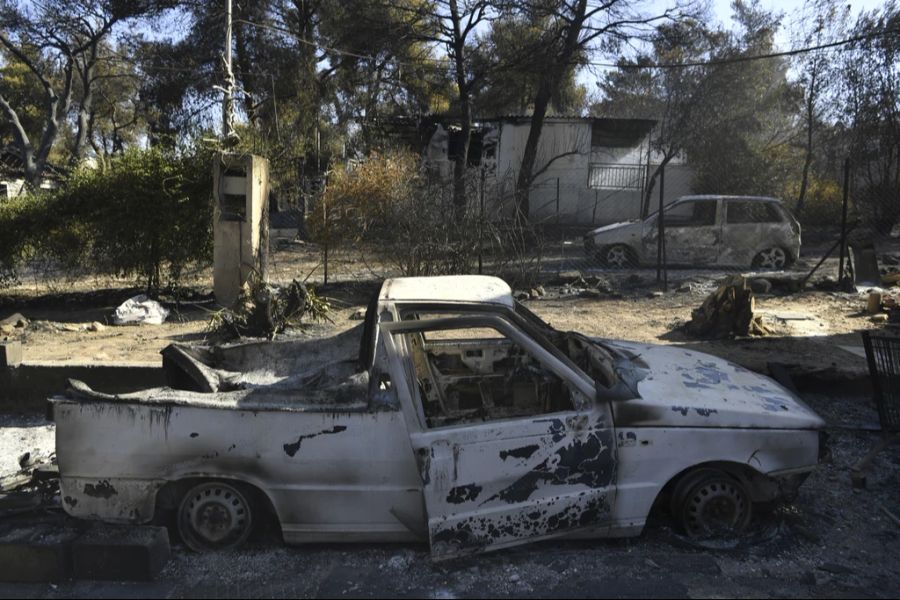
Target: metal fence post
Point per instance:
(844, 222)
(481, 224)
(327, 237)
(562, 241)
(662, 274)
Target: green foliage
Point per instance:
(510, 59)
(37, 229)
(823, 205)
(148, 215)
(870, 108)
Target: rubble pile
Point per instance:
(33, 487)
(883, 307)
(727, 312)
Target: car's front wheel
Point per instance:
(215, 515)
(710, 504)
(772, 259)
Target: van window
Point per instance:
(695, 213)
(752, 212)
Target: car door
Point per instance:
(750, 226)
(693, 232)
(497, 479)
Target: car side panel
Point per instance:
(651, 457)
(329, 475)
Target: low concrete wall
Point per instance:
(26, 387)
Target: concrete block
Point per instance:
(120, 553)
(10, 354)
(36, 553)
(28, 386)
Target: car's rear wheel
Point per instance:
(215, 515)
(710, 504)
(774, 259)
(618, 256)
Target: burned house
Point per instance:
(589, 170)
(12, 174)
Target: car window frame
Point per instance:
(775, 207)
(582, 388)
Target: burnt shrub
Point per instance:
(395, 217)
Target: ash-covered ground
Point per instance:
(833, 541)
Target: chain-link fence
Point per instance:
(594, 231)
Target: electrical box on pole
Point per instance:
(240, 223)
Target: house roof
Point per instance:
(621, 123)
(12, 165)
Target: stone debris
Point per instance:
(34, 486)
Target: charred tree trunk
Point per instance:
(569, 42)
(85, 109)
(523, 184)
(810, 124)
(648, 194)
(461, 160)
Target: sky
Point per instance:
(721, 10)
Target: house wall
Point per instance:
(10, 188)
(579, 204)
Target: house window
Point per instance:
(605, 176)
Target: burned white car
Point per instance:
(452, 415)
(732, 231)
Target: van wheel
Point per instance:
(215, 516)
(708, 504)
(773, 259)
(619, 256)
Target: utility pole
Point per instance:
(228, 102)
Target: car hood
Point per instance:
(682, 388)
(614, 228)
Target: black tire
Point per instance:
(710, 504)
(215, 515)
(772, 259)
(618, 256)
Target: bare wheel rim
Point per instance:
(716, 508)
(214, 516)
(617, 257)
(772, 258)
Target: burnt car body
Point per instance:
(452, 415)
(732, 231)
